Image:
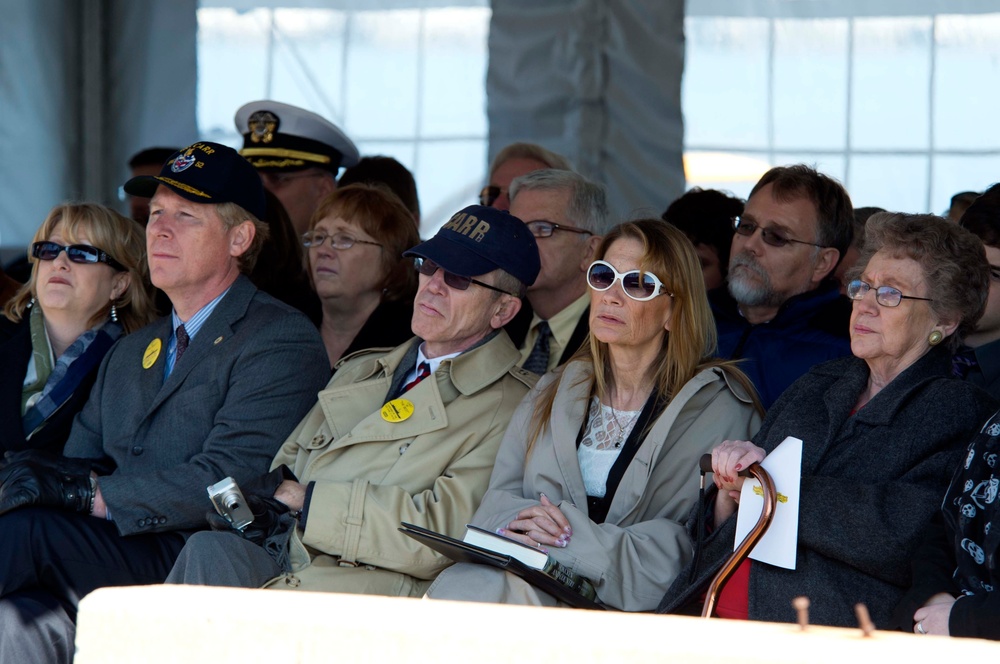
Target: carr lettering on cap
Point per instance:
(455, 222)
(480, 231)
(470, 221)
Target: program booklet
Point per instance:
(483, 547)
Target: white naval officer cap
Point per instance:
(282, 137)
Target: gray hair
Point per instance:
(588, 202)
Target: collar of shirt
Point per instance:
(433, 363)
(562, 325)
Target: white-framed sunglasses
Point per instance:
(638, 285)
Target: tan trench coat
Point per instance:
(634, 555)
(370, 474)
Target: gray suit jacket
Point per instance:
(870, 483)
(246, 380)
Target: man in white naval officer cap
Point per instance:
(297, 154)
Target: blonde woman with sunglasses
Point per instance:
(599, 465)
(87, 287)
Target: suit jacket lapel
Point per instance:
(215, 332)
(150, 381)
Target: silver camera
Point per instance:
(229, 502)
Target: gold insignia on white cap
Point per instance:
(261, 126)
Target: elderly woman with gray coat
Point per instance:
(882, 432)
(599, 464)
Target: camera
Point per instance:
(229, 502)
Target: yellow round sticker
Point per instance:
(397, 410)
(152, 352)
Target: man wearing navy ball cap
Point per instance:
(205, 393)
(405, 434)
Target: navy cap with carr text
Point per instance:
(480, 239)
(209, 173)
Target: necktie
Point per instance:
(963, 362)
(538, 360)
(423, 371)
(182, 342)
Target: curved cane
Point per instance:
(748, 543)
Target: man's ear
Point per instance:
(241, 237)
(326, 185)
(504, 311)
(826, 262)
(588, 257)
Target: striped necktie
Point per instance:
(423, 371)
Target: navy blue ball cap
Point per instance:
(207, 173)
(480, 239)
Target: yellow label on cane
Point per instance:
(397, 410)
(152, 352)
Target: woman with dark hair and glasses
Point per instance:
(88, 286)
(355, 247)
(881, 434)
(599, 466)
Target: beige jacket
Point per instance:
(634, 555)
(368, 474)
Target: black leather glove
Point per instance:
(266, 523)
(58, 463)
(31, 481)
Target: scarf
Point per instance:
(69, 371)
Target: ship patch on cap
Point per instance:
(182, 162)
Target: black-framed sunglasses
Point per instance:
(77, 253)
(773, 238)
(640, 286)
(427, 267)
(489, 195)
(337, 240)
(542, 228)
(887, 296)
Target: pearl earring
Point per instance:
(114, 313)
(935, 338)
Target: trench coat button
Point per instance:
(403, 447)
(137, 450)
(318, 439)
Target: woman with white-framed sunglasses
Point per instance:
(599, 465)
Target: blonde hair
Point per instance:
(685, 351)
(122, 238)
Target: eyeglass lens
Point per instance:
(489, 195)
(747, 228)
(887, 296)
(78, 253)
(427, 267)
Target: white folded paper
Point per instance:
(778, 546)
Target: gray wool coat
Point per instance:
(870, 483)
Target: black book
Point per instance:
(550, 577)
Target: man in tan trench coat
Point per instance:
(409, 434)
